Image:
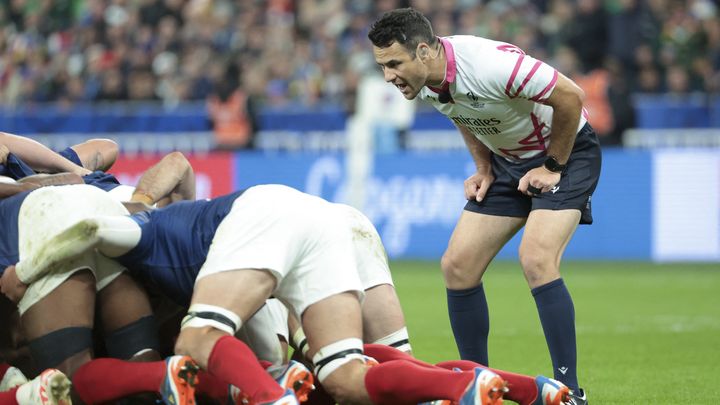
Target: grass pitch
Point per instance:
(647, 333)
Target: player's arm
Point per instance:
(97, 154)
(567, 102)
(10, 189)
(58, 179)
(171, 179)
(36, 181)
(476, 185)
(38, 156)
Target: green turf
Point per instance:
(647, 333)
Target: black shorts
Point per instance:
(574, 191)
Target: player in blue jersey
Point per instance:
(57, 310)
(59, 328)
(232, 253)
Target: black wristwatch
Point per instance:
(553, 165)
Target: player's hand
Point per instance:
(136, 206)
(477, 185)
(538, 180)
(11, 286)
(4, 152)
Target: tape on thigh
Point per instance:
(126, 342)
(398, 339)
(335, 355)
(202, 315)
(52, 349)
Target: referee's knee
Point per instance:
(457, 274)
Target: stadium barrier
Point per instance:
(662, 205)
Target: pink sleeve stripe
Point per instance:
(538, 97)
(512, 76)
(528, 77)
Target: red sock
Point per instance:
(212, 387)
(401, 382)
(383, 353)
(93, 385)
(232, 361)
(216, 388)
(8, 397)
(522, 387)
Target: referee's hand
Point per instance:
(477, 185)
(538, 180)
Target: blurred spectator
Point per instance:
(230, 112)
(588, 34)
(314, 52)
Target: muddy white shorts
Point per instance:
(50, 210)
(122, 192)
(372, 261)
(304, 241)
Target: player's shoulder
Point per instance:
(471, 46)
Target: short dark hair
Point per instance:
(406, 26)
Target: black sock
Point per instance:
(557, 315)
(470, 323)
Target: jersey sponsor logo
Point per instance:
(479, 126)
(474, 101)
(476, 122)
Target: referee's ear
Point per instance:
(423, 52)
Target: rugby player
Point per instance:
(230, 254)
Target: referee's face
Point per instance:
(402, 69)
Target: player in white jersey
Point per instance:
(537, 159)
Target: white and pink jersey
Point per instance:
(497, 93)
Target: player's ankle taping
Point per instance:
(300, 341)
(398, 339)
(335, 355)
(142, 198)
(202, 315)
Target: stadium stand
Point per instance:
(305, 58)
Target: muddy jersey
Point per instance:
(497, 92)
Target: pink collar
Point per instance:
(450, 69)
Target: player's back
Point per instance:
(175, 242)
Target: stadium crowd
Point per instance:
(313, 51)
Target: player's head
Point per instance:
(403, 44)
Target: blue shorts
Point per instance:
(101, 180)
(574, 191)
(71, 155)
